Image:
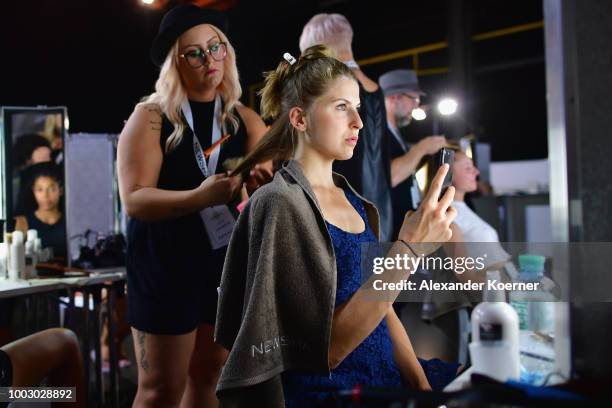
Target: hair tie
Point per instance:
(289, 58)
(352, 64)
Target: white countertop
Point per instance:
(10, 288)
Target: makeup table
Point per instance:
(89, 289)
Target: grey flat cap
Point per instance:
(399, 81)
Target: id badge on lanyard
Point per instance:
(218, 220)
(415, 194)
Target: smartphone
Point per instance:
(445, 155)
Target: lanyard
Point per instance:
(415, 194)
(397, 137)
(216, 135)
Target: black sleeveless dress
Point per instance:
(173, 273)
(51, 235)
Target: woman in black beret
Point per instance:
(174, 187)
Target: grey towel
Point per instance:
(278, 290)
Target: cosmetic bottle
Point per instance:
(495, 335)
(3, 260)
(17, 267)
(31, 257)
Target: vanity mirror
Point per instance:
(33, 181)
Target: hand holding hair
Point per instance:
(218, 189)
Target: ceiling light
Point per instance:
(418, 114)
(447, 106)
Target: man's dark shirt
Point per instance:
(369, 171)
(401, 195)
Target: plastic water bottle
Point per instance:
(535, 308)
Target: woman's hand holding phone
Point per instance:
(429, 226)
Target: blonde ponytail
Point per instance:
(286, 87)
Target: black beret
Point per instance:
(178, 20)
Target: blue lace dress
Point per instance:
(371, 364)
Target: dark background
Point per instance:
(93, 57)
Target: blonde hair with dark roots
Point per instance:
(170, 93)
(286, 87)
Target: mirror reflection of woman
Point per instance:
(28, 150)
(47, 219)
(470, 225)
(472, 236)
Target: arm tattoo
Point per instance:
(155, 125)
(153, 108)
(144, 364)
(155, 113)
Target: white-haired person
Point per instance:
(368, 171)
(175, 190)
(402, 96)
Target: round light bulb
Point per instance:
(148, 1)
(447, 106)
(418, 114)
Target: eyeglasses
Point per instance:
(417, 98)
(197, 57)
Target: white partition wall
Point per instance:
(91, 196)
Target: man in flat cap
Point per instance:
(402, 96)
